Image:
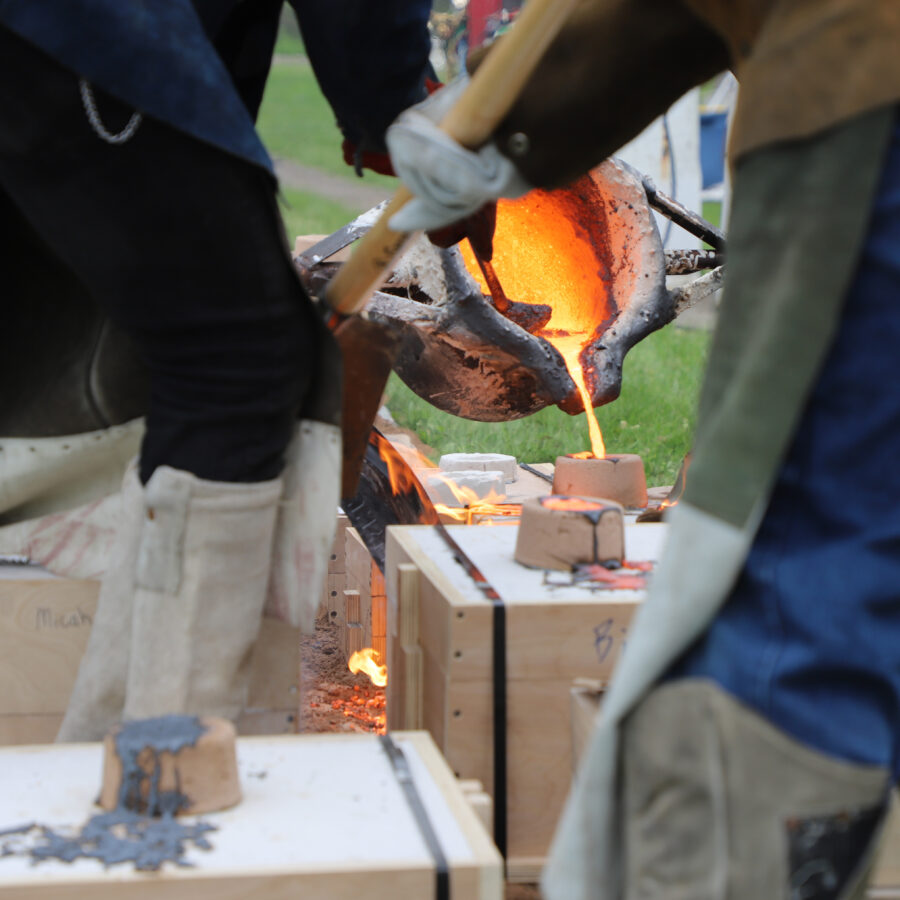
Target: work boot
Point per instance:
(98, 697)
(200, 585)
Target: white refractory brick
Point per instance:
(481, 483)
(482, 462)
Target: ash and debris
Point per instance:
(142, 829)
(332, 698)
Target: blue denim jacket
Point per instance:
(201, 66)
(810, 636)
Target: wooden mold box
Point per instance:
(323, 816)
(440, 630)
(44, 626)
(586, 699)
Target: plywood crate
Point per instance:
(365, 603)
(440, 664)
(44, 627)
(322, 816)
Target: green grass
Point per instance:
(296, 122)
(654, 416)
(305, 213)
(712, 212)
(289, 44)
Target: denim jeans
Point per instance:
(810, 636)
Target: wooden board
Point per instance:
(44, 627)
(322, 816)
(440, 655)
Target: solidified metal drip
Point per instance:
(122, 837)
(165, 734)
(143, 831)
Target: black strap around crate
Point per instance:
(403, 774)
(499, 679)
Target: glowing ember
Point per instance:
(545, 252)
(481, 510)
(367, 661)
(570, 504)
(365, 708)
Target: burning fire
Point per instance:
(402, 462)
(368, 661)
(471, 506)
(545, 251)
(399, 468)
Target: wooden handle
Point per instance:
(490, 95)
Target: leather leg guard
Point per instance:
(98, 696)
(717, 803)
(200, 585)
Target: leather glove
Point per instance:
(375, 160)
(449, 182)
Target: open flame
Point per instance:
(471, 506)
(401, 461)
(399, 467)
(546, 250)
(368, 661)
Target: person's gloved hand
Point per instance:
(449, 182)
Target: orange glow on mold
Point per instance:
(570, 504)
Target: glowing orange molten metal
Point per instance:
(570, 504)
(367, 662)
(544, 253)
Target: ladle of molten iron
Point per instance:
(489, 96)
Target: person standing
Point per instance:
(134, 187)
(750, 737)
